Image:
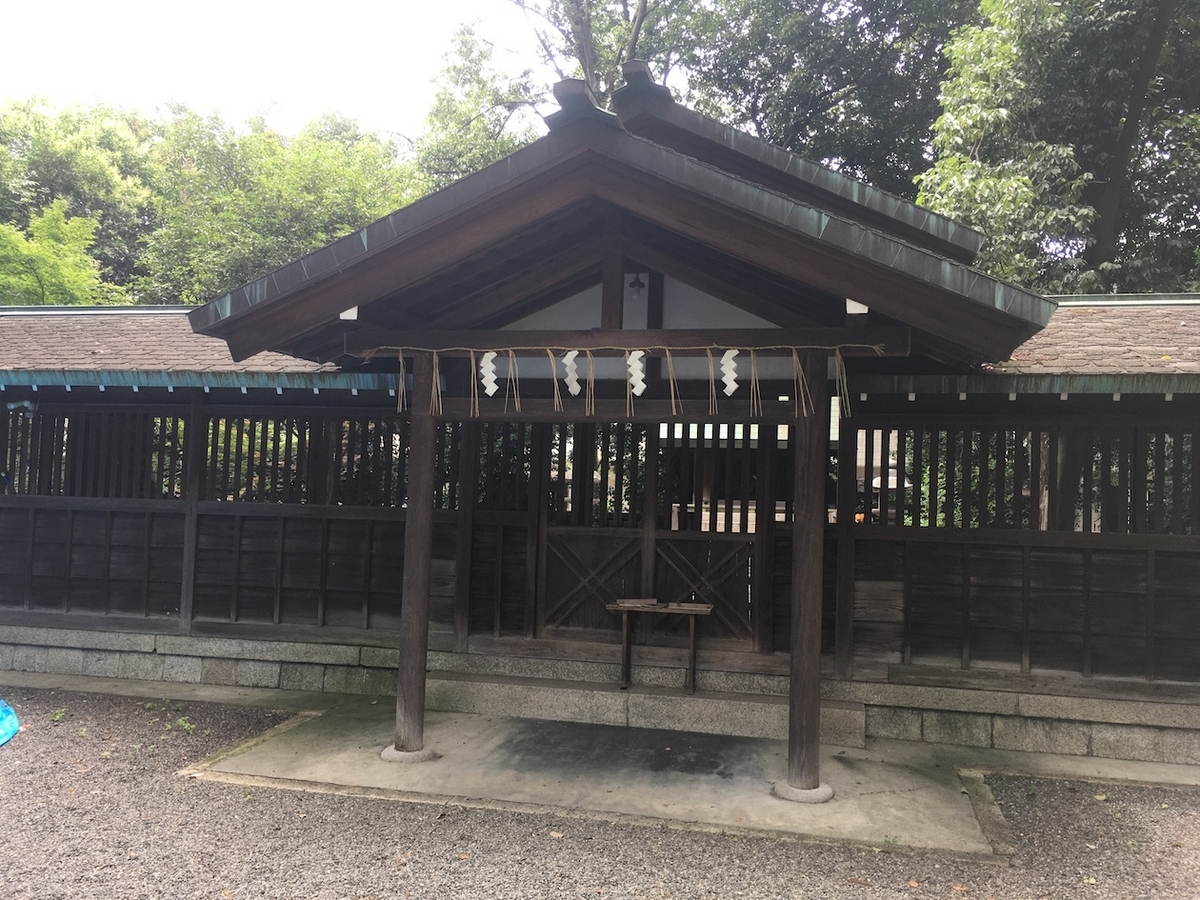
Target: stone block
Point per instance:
(526, 699)
(6, 656)
(960, 729)
(270, 651)
(64, 660)
(742, 683)
(184, 669)
(301, 677)
(919, 696)
(29, 659)
(843, 724)
(140, 667)
(893, 723)
(758, 717)
(1041, 736)
(380, 682)
(383, 658)
(1117, 712)
(343, 680)
(101, 663)
(77, 639)
(1180, 746)
(256, 673)
(517, 667)
(218, 671)
(1127, 742)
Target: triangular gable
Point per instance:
(545, 219)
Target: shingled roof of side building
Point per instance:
(146, 346)
(1093, 344)
(1148, 343)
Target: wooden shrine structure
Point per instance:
(606, 367)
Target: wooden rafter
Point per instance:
(868, 341)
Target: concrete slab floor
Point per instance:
(890, 794)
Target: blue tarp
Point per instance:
(8, 723)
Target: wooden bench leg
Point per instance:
(626, 663)
(689, 680)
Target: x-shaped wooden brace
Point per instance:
(592, 581)
(707, 589)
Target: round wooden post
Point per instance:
(811, 446)
(418, 547)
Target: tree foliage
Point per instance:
(590, 39)
(1071, 136)
(852, 84)
(48, 261)
(93, 159)
(234, 206)
(479, 115)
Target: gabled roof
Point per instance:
(142, 346)
(649, 110)
(517, 222)
(1094, 344)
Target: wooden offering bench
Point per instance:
(691, 610)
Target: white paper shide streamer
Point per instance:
(487, 373)
(729, 372)
(637, 372)
(571, 368)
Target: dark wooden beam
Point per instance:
(893, 341)
(808, 534)
(418, 548)
(612, 294)
(777, 249)
(568, 267)
(694, 275)
(542, 410)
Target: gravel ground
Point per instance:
(90, 806)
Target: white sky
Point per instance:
(287, 61)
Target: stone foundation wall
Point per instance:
(727, 702)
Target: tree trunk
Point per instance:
(1111, 192)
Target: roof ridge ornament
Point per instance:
(577, 103)
(640, 81)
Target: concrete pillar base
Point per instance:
(822, 793)
(391, 754)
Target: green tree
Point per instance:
(852, 84)
(590, 39)
(48, 263)
(479, 115)
(233, 207)
(1070, 134)
(94, 159)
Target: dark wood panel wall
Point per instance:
(1069, 543)
(1026, 543)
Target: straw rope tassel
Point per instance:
(756, 407)
(804, 400)
(474, 379)
(554, 380)
(435, 389)
(402, 387)
(712, 384)
(589, 398)
(843, 385)
(672, 385)
(513, 381)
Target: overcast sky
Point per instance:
(288, 61)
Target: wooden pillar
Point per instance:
(418, 547)
(468, 474)
(195, 452)
(808, 536)
(650, 513)
(847, 496)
